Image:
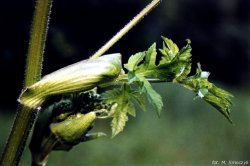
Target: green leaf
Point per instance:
(143, 61)
(134, 61)
(174, 64)
(185, 57)
(125, 98)
(150, 58)
(169, 50)
(118, 123)
(218, 98)
(138, 99)
(153, 97)
(177, 62)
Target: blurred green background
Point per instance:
(189, 132)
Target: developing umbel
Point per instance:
(81, 76)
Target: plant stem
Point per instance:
(25, 116)
(37, 42)
(126, 28)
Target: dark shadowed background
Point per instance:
(186, 134)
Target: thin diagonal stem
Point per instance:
(127, 28)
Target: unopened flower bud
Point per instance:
(73, 129)
(80, 76)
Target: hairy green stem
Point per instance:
(25, 116)
(126, 28)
